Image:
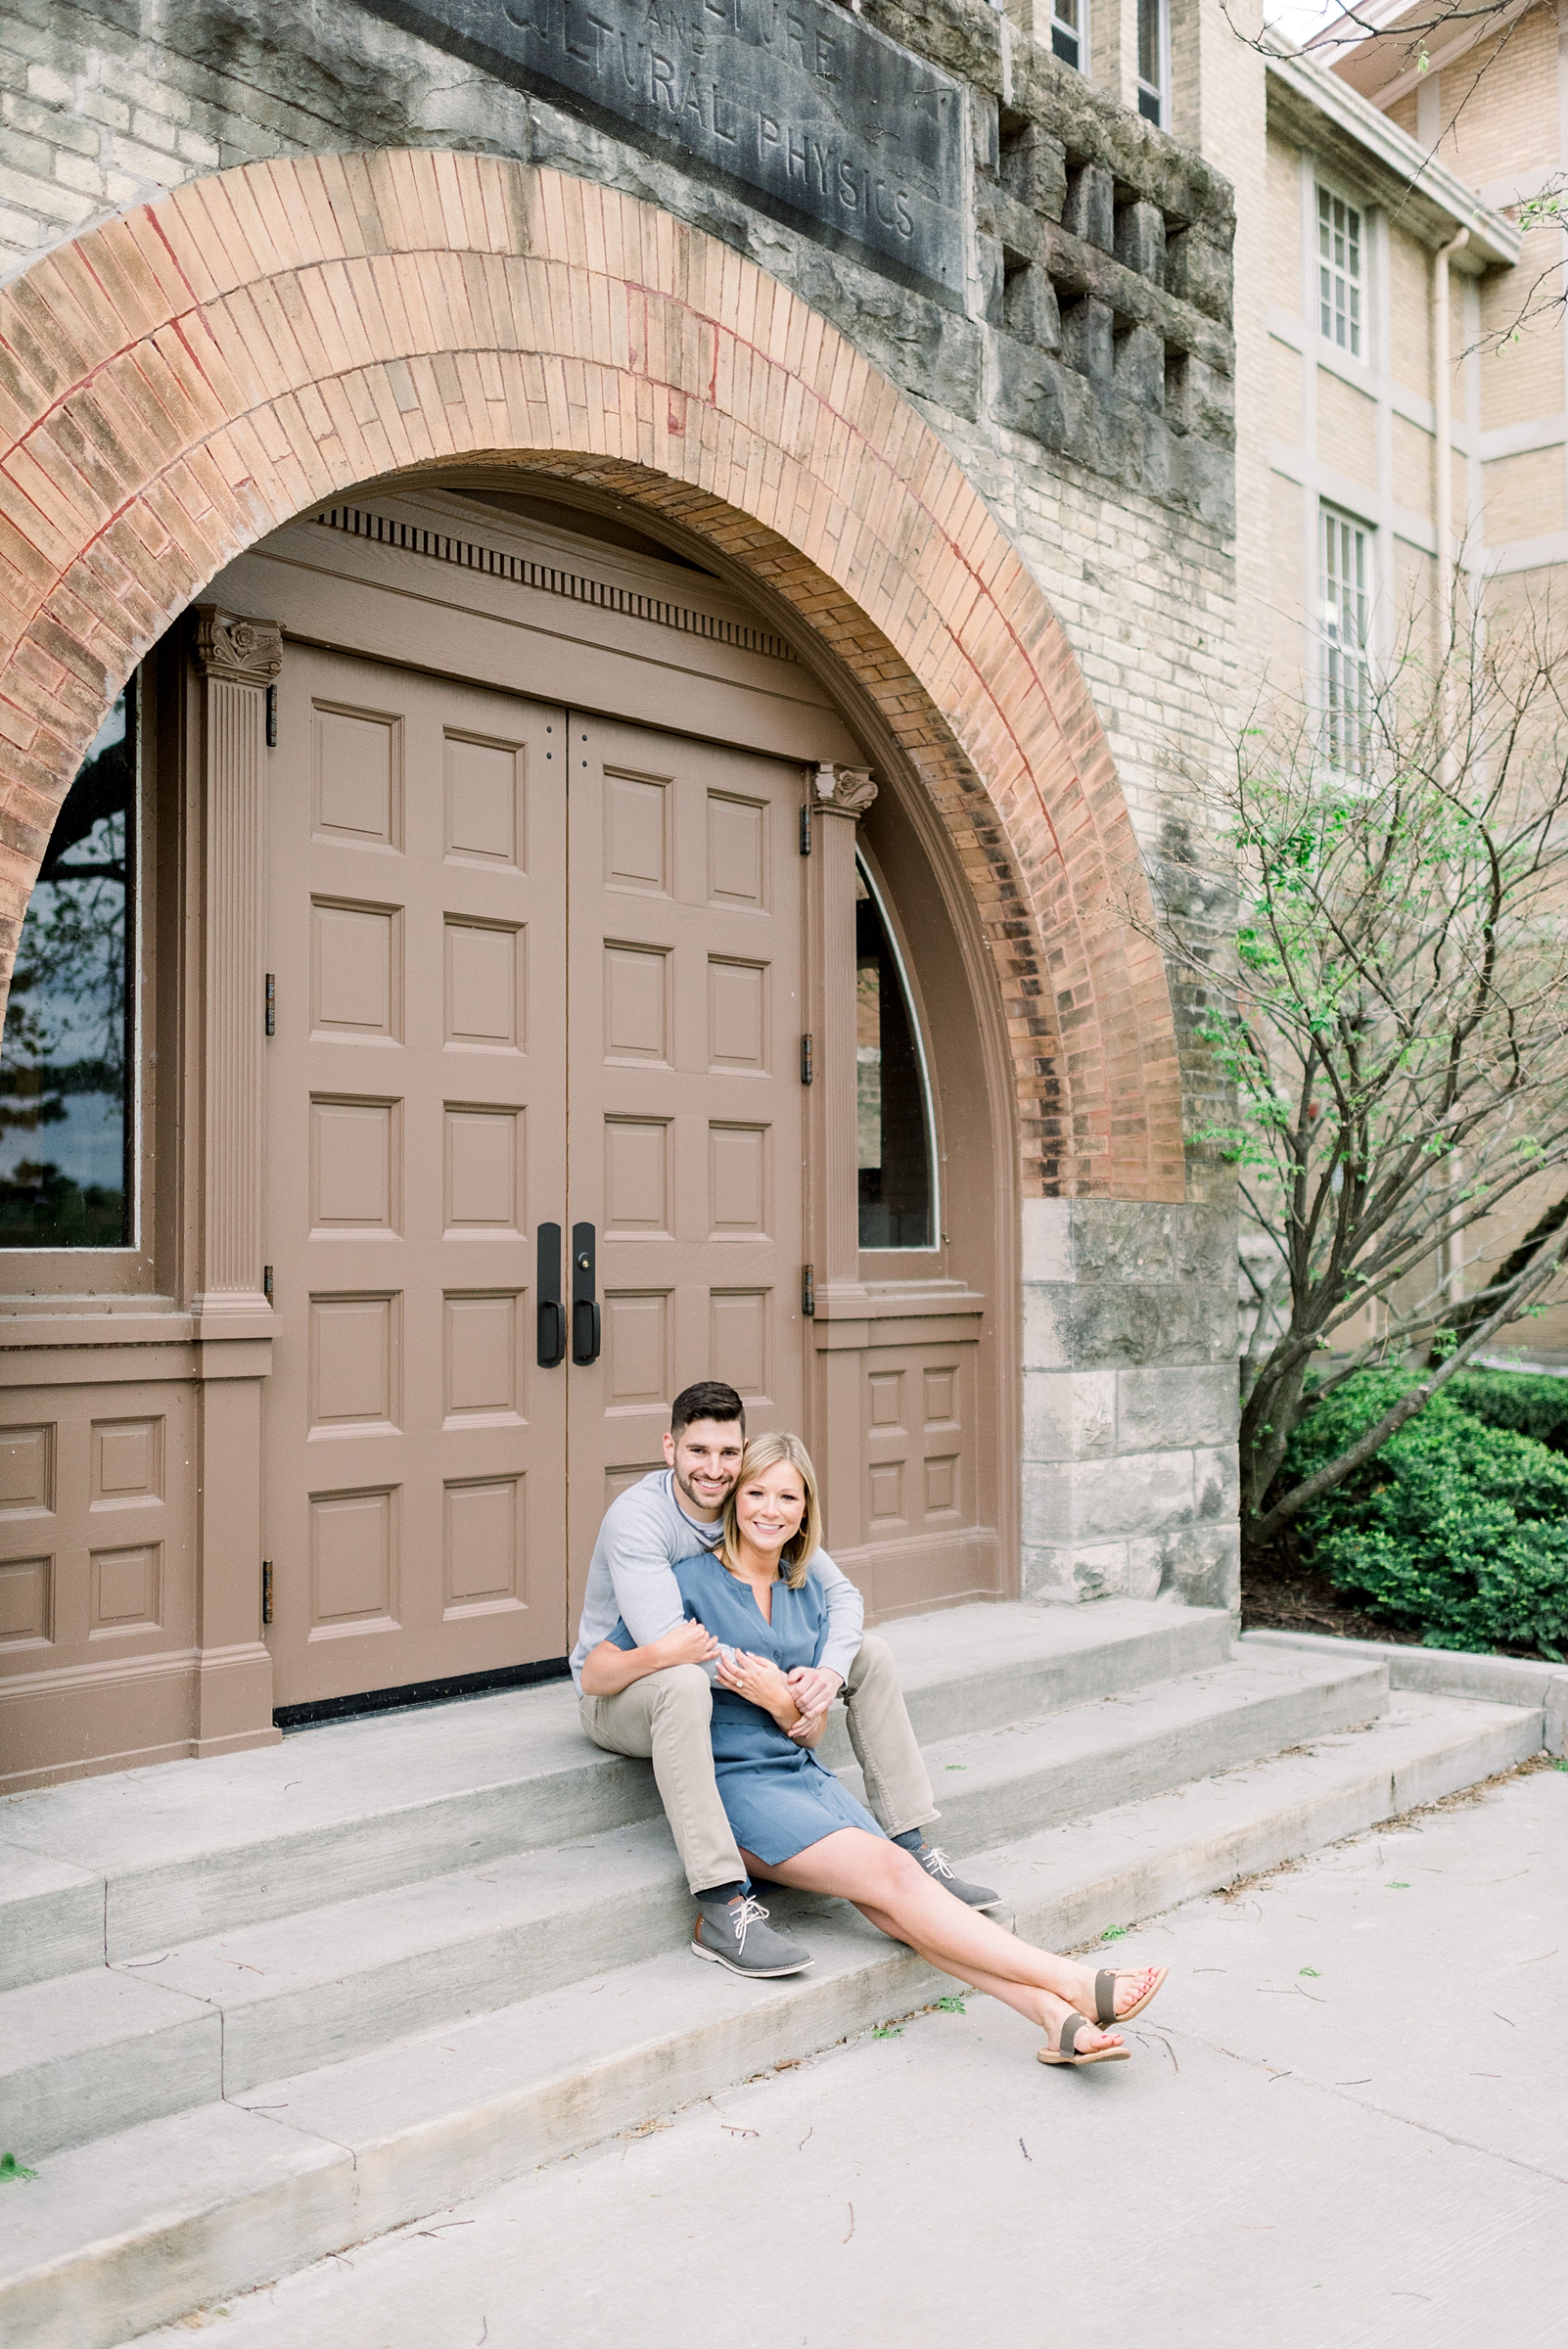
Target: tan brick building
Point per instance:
(1416, 337)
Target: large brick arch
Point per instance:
(179, 381)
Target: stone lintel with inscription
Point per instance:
(809, 110)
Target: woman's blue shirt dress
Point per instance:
(778, 1796)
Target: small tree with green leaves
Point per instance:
(1395, 1027)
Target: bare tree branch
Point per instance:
(1396, 1031)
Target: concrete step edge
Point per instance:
(377, 1975)
(1447, 1672)
(304, 2192)
(66, 1913)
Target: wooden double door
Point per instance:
(536, 1007)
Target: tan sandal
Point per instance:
(1105, 1983)
(1063, 2052)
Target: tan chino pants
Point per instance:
(664, 1717)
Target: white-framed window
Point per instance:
(1070, 33)
(1341, 247)
(1345, 605)
(1154, 62)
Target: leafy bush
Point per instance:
(1529, 1406)
(1456, 1528)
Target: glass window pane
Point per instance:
(1339, 272)
(65, 1093)
(892, 1125)
(1067, 26)
(1149, 28)
(1346, 640)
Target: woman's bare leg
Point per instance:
(894, 1892)
(1036, 2006)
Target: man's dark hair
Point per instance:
(708, 1399)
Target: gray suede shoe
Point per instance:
(737, 1934)
(937, 1866)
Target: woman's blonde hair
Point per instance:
(767, 1451)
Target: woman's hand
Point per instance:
(761, 1684)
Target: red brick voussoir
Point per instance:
(181, 381)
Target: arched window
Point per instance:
(65, 1089)
(894, 1132)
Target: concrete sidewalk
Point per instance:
(1346, 2123)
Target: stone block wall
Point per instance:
(1129, 1483)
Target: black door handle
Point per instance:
(584, 1304)
(551, 1329)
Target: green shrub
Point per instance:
(1456, 1528)
(1531, 1406)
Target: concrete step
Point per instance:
(132, 2231)
(1002, 1782)
(90, 2054)
(121, 1865)
(93, 2053)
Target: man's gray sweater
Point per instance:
(631, 1581)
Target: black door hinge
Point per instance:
(272, 1003)
(266, 1282)
(266, 1593)
(805, 1060)
(806, 829)
(809, 1292)
(272, 718)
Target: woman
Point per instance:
(761, 1614)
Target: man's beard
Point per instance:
(695, 1498)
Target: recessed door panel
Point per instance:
(359, 776)
(486, 808)
(740, 1328)
(484, 1168)
(483, 1360)
(637, 1176)
(356, 972)
(485, 985)
(415, 1496)
(27, 1471)
(354, 1561)
(484, 1544)
(636, 828)
(737, 1016)
(636, 1005)
(738, 1181)
(353, 1364)
(355, 1165)
(737, 851)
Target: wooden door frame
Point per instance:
(972, 1299)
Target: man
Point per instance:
(664, 1716)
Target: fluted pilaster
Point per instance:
(238, 660)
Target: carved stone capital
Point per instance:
(843, 790)
(234, 651)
